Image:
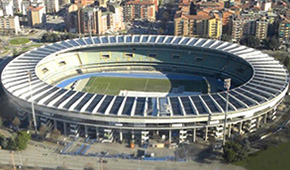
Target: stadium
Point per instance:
(143, 87)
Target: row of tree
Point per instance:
(18, 142)
(236, 150)
(53, 37)
(271, 43)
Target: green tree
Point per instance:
(3, 142)
(286, 61)
(235, 151)
(14, 52)
(271, 43)
(20, 141)
(165, 16)
(250, 41)
(226, 37)
(45, 37)
(11, 144)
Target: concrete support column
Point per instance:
(258, 122)
(121, 135)
(240, 127)
(132, 135)
(54, 124)
(229, 130)
(194, 135)
(97, 133)
(157, 132)
(206, 133)
(265, 118)
(64, 128)
(86, 131)
(169, 136)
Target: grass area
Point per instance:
(24, 49)
(35, 45)
(113, 85)
(272, 158)
(19, 41)
(6, 48)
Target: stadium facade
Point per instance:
(259, 84)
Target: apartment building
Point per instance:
(140, 10)
(36, 16)
(284, 31)
(199, 25)
(9, 25)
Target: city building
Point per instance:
(236, 29)
(7, 7)
(116, 16)
(256, 24)
(9, 25)
(261, 28)
(91, 21)
(226, 21)
(36, 16)
(103, 3)
(140, 10)
(17, 5)
(51, 6)
(71, 18)
(266, 5)
(81, 3)
(64, 2)
(201, 25)
(284, 31)
(94, 20)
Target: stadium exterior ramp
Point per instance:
(260, 82)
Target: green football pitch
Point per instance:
(113, 85)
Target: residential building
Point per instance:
(103, 3)
(24, 6)
(261, 28)
(99, 20)
(140, 10)
(7, 7)
(116, 16)
(83, 2)
(236, 29)
(71, 18)
(266, 5)
(226, 21)
(64, 2)
(284, 31)
(9, 25)
(51, 6)
(36, 16)
(200, 25)
(17, 5)
(91, 20)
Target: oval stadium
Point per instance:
(143, 87)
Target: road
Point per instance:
(37, 157)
